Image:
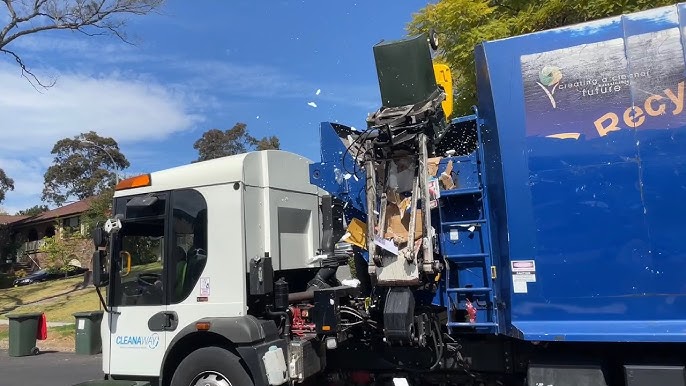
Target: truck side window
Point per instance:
(140, 263)
(189, 233)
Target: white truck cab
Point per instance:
(185, 243)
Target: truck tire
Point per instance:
(211, 366)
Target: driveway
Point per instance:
(49, 368)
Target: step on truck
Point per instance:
(539, 241)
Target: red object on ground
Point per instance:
(42, 333)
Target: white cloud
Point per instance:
(84, 49)
(115, 105)
(125, 107)
(218, 78)
(27, 174)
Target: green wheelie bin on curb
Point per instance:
(88, 340)
(23, 334)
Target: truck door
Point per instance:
(141, 259)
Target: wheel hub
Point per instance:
(211, 378)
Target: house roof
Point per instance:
(9, 219)
(69, 210)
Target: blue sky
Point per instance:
(195, 66)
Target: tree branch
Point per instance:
(25, 72)
(76, 15)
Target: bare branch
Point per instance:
(10, 8)
(90, 17)
(26, 73)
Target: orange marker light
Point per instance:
(202, 326)
(326, 328)
(134, 182)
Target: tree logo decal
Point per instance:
(549, 78)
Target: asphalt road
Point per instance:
(49, 368)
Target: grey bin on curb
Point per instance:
(23, 334)
(88, 340)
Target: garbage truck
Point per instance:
(539, 241)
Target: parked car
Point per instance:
(46, 275)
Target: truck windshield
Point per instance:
(138, 263)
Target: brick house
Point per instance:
(31, 231)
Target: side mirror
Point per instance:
(101, 277)
(99, 238)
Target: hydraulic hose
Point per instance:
(287, 322)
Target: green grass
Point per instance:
(62, 308)
(13, 298)
(146, 268)
(62, 332)
(59, 299)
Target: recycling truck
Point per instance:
(539, 241)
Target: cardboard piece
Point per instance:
(357, 233)
(446, 178)
(398, 223)
(432, 166)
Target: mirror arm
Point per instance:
(104, 305)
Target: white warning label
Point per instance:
(523, 272)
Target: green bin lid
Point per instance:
(87, 314)
(28, 315)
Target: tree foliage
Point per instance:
(6, 184)
(59, 250)
(216, 143)
(33, 211)
(90, 17)
(99, 210)
(462, 24)
(8, 243)
(84, 166)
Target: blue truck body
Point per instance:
(601, 214)
(581, 163)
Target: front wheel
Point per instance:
(211, 366)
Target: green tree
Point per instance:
(216, 143)
(33, 211)
(462, 24)
(8, 243)
(90, 17)
(84, 166)
(267, 143)
(59, 250)
(6, 184)
(99, 210)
